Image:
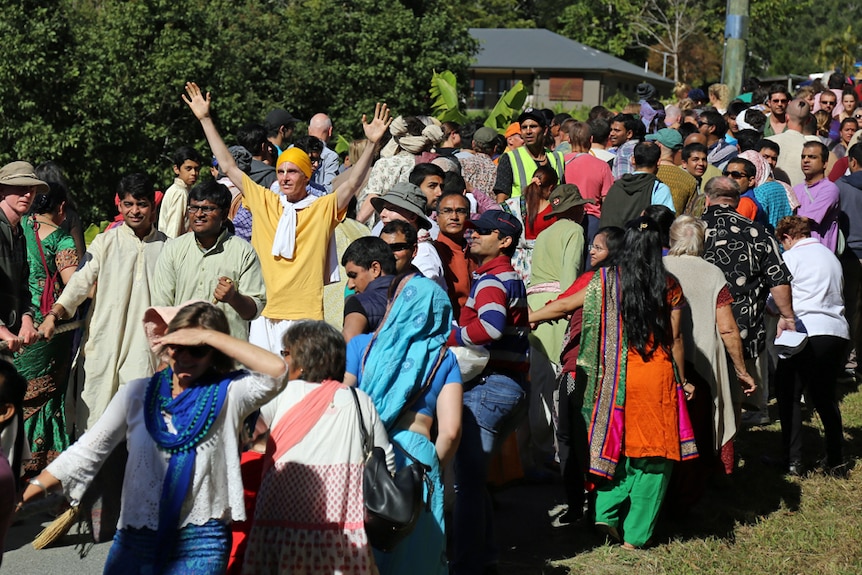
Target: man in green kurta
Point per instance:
(211, 263)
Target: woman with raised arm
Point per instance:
(571, 428)
(182, 485)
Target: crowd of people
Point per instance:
(617, 298)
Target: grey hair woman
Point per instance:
(709, 330)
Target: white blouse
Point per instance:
(216, 491)
(818, 288)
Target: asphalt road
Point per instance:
(523, 517)
(62, 559)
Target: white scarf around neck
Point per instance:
(284, 243)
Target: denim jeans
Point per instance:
(200, 549)
(492, 410)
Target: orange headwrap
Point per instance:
(297, 157)
(514, 128)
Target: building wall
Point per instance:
(590, 91)
(594, 88)
(487, 87)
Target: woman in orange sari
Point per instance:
(632, 357)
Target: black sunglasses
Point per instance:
(482, 232)
(397, 247)
(735, 174)
(196, 351)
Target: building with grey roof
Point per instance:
(556, 70)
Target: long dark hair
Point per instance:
(532, 193)
(645, 309)
(615, 242)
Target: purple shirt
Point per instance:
(819, 202)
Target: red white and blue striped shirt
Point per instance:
(496, 316)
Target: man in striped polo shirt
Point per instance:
(495, 317)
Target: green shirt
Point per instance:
(186, 272)
(558, 258)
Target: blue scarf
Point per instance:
(406, 346)
(193, 413)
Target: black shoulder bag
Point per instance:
(393, 503)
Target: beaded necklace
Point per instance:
(192, 414)
(196, 418)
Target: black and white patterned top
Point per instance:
(749, 257)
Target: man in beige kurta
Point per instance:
(121, 264)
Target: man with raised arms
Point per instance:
(292, 230)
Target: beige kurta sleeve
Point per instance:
(78, 288)
(172, 212)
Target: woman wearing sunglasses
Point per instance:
(182, 485)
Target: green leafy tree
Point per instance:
(496, 13)
(603, 24)
(371, 52)
(839, 51)
(96, 84)
(35, 82)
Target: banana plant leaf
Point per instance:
(342, 144)
(94, 230)
(507, 107)
(444, 96)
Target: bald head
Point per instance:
(797, 113)
(320, 126)
(722, 190)
(695, 138)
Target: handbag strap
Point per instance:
(367, 442)
(366, 437)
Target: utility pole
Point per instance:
(735, 34)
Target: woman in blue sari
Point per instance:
(415, 384)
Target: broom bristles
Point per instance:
(59, 527)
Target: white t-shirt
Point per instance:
(817, 286)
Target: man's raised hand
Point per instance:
(378, 126)
(195, 99)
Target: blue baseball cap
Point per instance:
(503, 222)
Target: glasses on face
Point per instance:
(196, 351)
(779, 100)
(450, 211)
(702, 124)
(734, 174)
(597, 248)
(827, 102)
(204, 209)
(401, 246)
(484, 232)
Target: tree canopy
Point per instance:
(95, 84)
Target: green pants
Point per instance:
(642, 483)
